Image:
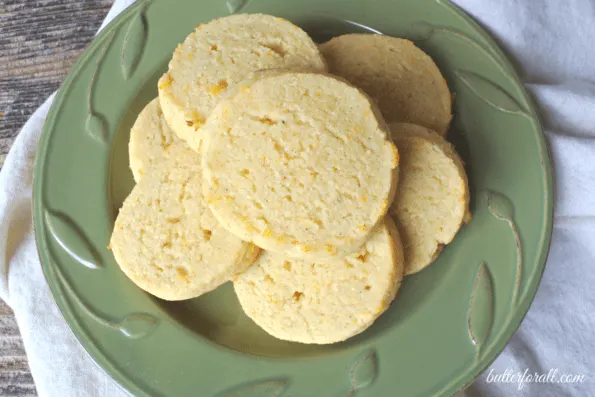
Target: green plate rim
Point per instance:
(101, 360)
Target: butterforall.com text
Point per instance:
(553, 376)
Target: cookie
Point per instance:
(324, 301)
(300, 164)
(222, 52)
(432, 201)
(150, 139)
(166, 240)
(405, 81)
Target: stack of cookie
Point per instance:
(268, 161)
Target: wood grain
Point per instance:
(39, 42)
(15, 378)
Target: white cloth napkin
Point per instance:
(552, 44)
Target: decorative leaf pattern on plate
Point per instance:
(364, 372)
(455, 10)
(96, 127)
(137, 325)
(424, 31)
(134, 42)
(481, 303)
(501, 207)
(481, 308)
(235, 6)
(491, 93)
(95, 123)
(64, 229)
(421, 31)
(269, 388)
(133, 326)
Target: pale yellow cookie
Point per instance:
(165, 238)
(150, 139)
(432, 201)
(323, 301)
(299, 163)
(405, 82)
(222, 52)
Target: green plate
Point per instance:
(448, 322)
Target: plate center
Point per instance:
(217, 316)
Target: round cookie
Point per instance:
(323, 302)
(221, 53)
(299, 163)
(166, 240)
(432, 201)
(405, 82)
(150, 139)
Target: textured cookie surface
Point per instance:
(150, 139)
(167, 241)
(403, 80)
(433, 196)
(222, 52)
(323, 301)
(299, 163)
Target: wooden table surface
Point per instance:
(39, 41)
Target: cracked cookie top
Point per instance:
(165, 238)
(219, 54)
(299, 163)
(323, 301)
